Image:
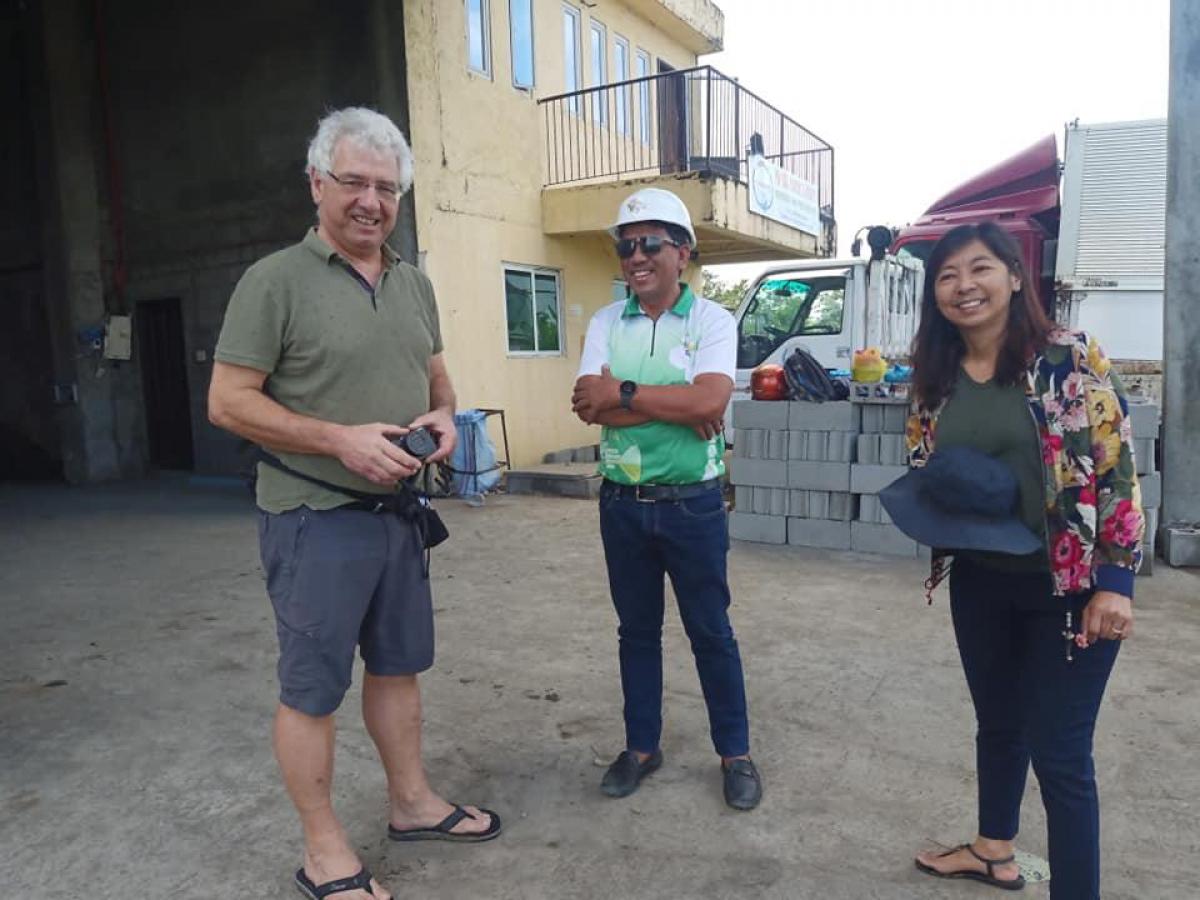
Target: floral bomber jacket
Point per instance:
(1094, 519)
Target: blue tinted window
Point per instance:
(520, 17)
(478, 52)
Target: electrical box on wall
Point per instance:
(118, 337)
(66, 394)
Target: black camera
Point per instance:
(419, 442)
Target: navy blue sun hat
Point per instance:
(961, 499)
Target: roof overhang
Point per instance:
(726, 230)
(699, 25)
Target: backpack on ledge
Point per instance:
(807, 379)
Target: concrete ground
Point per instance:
(137, 683)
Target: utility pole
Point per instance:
(1181, 310)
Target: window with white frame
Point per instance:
(643, 71)
(520, 27)
(599, 46)
(621, 73)
(533, 309)
(572, 53)
(479, 37)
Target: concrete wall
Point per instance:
(28, 435)
(479, 148)
(213, 135)
(1181, 325)
(207, 109)
(95, 432)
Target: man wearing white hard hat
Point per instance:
(657, 372)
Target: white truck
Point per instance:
(1109, 270)
(829, 307)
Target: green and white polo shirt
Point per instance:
(694, 337)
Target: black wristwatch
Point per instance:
(628, 389)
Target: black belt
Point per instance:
(386, 503)
(652, 493)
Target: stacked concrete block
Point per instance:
(744, 526)
(758, 473)
(824, 534)
(1181, 545)
(871, 510)
(791, 472)
(882, 458)
(587, 453)
(868, 479)
(871, 537)
(1145, 420)
(810, 474)
(823, 447)
(835, 457)
(882, 449)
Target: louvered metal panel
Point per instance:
(1114, 209)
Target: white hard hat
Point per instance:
(653, 205)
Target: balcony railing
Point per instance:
(690, 120)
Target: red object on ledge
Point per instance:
(767, 382)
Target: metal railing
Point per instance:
(690, 120)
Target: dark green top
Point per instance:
(996, 420)
(334, 349)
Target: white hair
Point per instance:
(366, 128)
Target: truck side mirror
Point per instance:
(879, 238)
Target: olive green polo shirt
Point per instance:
(995, 419)
(333, 349)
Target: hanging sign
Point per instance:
(786, 198)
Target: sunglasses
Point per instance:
(651, 244)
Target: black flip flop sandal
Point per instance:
(441, 831)
(989, 877)
(359, 882)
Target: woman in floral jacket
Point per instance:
(992, 372)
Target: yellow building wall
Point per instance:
(479, 147)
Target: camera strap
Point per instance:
(404, 502)
(392, 502)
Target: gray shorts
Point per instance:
(340, 578)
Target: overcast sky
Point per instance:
(916, 96)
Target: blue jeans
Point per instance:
(686, 540)
(1032, 705)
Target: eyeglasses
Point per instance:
(651, 244)
(356, 185)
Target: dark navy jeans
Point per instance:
(1032, 705)
(686, 540)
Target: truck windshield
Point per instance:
(787, 306)
(919, 249)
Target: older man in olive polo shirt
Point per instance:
(330, 349)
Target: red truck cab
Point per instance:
(1020, 194)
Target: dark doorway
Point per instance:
(672, 120)
(160, 346)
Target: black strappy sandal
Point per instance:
(989, 877)
(359, 882)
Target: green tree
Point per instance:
(718, 291)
